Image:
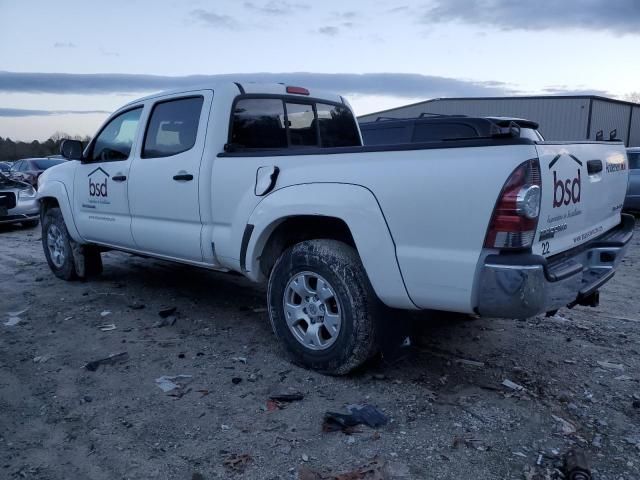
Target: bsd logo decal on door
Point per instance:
(98, 181)
(566, 191)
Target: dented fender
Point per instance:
(358, 208)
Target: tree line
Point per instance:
(10, 150)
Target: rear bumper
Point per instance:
(524, 285)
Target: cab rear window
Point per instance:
(276, 123)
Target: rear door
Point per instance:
(165, 177)
(583, 190)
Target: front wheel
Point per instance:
(56, 243)
(323, 308)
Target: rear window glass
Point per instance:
(265, 123)
(385, 135)
(301, 121)
(259, 123)
(173, 127)
(432, 132)
(634, 160)
(531, 134)
(337, 126)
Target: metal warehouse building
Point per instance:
(560, 117)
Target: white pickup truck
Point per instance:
(272, 181)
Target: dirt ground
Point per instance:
(450, 414)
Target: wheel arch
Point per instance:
(344, 212)
(54, 194)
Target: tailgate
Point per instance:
(583, 189)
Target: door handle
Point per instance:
(119, 178)
(594, 166)
(183, 177)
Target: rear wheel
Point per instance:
(323, 308)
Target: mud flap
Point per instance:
(86, 260)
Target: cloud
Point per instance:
(19, 112)
(621, 16)
(277, 8)
(64, 45)
(329, 30)
(213, 19)
(393, 84)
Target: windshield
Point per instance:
(45, 163)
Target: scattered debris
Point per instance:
(305, 457)
(203, 392)
(165, 312)
(471, 363)
(239, 359)
(136, 306)
(623, 378)
(512, 385)
(105, 313)
(259, 310)
(359, 414)
(107, 327)
(42, 358)
(169, 383)
(165, 322)
(576, 466)
(110, 360)
(374, 470)
(611, 366)
(287, 397)
(567, 427)
(14, 317)
(469, 442)
(237, 462)
(236, 380)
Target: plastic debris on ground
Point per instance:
(165, 312)
(358, 415)
(107, 327)
(110, 360)
(374, 470)
(237, 461)
(14, 317)
(168, 383)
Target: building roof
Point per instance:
(523, 97)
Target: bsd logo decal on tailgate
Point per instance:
(566, 191)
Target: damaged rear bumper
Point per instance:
(524, 285)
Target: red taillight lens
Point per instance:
(298, 90)
(515, 216)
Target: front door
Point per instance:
(165, 178)
(100, 184)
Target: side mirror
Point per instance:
(71, 149)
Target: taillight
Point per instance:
(515, 216)
(297, 90)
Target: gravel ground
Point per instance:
(450, 414)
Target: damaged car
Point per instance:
(18, 202)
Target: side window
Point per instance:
(634, 161)
(259, 123)
(337, 126)
(115, 140)
(173, 127)
(302, 125)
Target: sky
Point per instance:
(65, 64)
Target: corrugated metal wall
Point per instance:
(559, 118)
(634, 138)
(608, 116)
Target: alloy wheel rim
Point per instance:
(312, 310)
(56, 246)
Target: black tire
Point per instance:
(339, 264)
(31, 223)
(67, 270)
